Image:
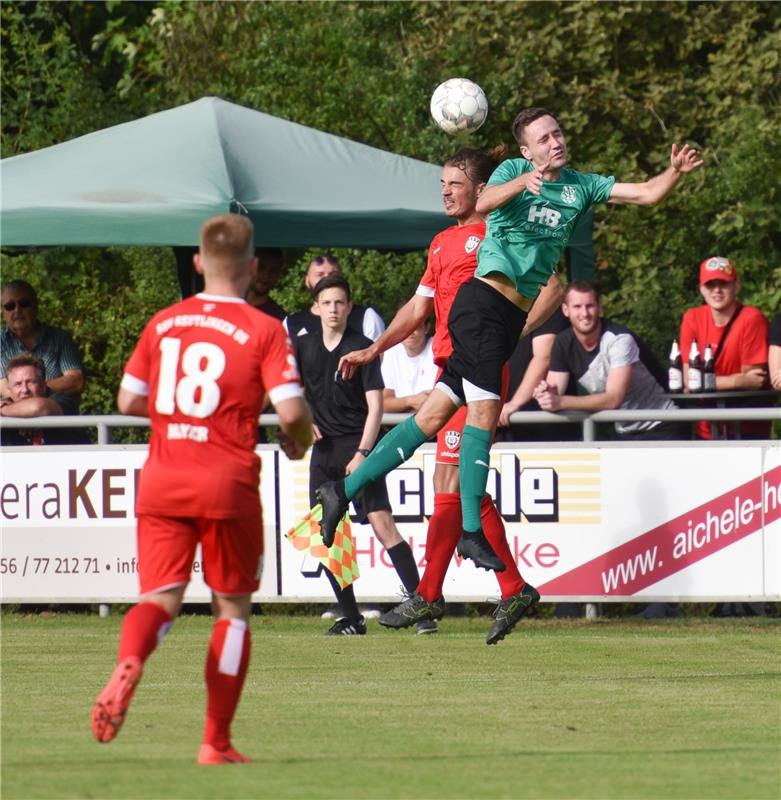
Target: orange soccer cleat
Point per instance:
(110, 708)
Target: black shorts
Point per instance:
(484, 327)
(329, 458)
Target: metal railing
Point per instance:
(105, 422)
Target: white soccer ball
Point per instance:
(459, 106)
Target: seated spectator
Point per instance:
(612, 366)
(774, 353)
(528, 366)
(737, 334)
(362, 319)
(29, 398)
(409, 372)
(24, 333)
(265, 279)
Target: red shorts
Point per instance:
(449, 437)
(231, 551)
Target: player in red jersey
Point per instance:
(452, 260)
(201, 372)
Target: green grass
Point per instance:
(560, 709)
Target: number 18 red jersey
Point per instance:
(206, 365)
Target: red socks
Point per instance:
(444, 531)
(142, 629)
(510, 581)
(226, 668)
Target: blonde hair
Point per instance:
(227, 243)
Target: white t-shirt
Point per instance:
(405, 375)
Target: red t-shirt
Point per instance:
(747, 343)
(206, 365)
(452, 261)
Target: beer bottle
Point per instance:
(695, 368)
(708, 371)
(674, 371)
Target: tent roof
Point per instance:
(153, 181)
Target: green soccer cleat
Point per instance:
(509, 611)
(413, 610)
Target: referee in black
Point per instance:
(347, 417)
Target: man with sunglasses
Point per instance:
(23, 332)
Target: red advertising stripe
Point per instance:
(678, 543)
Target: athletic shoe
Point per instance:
(110, 708)
(331, 496)
(476, 547)
(208, 754)
(426, 626)
(509, 611)
(413, 610)
(347, 627)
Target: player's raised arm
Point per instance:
(492, 197)
(407, 319)
(682, 161)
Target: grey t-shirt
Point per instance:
(618, 347)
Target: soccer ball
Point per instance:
(459, 106)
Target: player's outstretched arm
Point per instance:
(407, 318)
(492, 197)
(682, 161)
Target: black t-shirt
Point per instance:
(775, 330)
(339, 406)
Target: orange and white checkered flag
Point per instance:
(339, 559)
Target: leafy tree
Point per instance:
(625, 79)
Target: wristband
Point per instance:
(364, 451)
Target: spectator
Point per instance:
(363, 319)
(24, 333)
(29, 397)
(265, 279)
(737, 334)
(409, 371)
(612, 366)
(528, 366)
(774, 353)
(347, 416)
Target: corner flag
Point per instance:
(339, 559)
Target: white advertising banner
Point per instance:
(591, 523)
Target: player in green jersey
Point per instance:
(533, 204)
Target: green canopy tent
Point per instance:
(153, 181)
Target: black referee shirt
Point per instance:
(339, 406)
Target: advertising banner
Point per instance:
(589, 523)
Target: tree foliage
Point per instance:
(625, 79)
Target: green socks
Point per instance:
(473, 462)
(393, 449)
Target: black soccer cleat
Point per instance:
(413, 610)
(347, 627)
(332, 497)
(510, 611)
(475, 547)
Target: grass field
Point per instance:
(561, 709)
